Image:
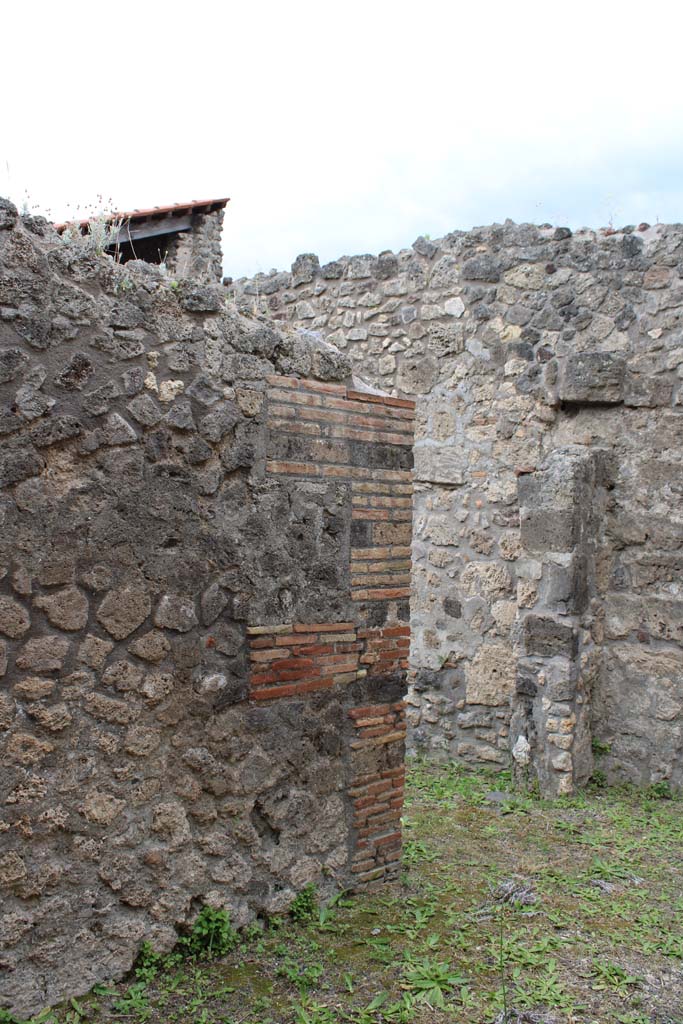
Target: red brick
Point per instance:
(363, 801)
(381, 595)
(361, 723)
(291, 689)
(384, 818)
(399, 403)
(305, 385)
(343, 472)
(314, 649)
(378, 730)
(268, 630)
(271, 654)
(392, 737)
(339, 660)
(383, 423)
(369, 709)
(347, 677)
(375, 788)
(283, 382)
(362, 396)
(263, 677)
(393, 837)
(296, 397)
(378, 553)
(295, 638)
(302, 674)
(366, 778)
(285, 663)
(295, 427)
(396, 631)
(296, 468)
(364, 872)
(261, 642)
(373, 436)
(361, 406)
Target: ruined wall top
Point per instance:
(474, 297)
(520, 343)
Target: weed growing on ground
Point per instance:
(508, 910)
(304, 907)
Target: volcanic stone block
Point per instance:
(593, 378)
(548, 637)
(123, 610)
(549, 529)
(491, 676)
(440, 464)
(14, 619)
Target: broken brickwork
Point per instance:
(204, 617)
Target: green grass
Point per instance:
(565, 912)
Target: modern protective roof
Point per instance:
(158, 213)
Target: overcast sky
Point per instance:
(346, 127)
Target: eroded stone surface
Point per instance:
(518, 341)
(123, 610)
(66, 608)
(14, 619)
(152, 517)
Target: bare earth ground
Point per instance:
(509, 910)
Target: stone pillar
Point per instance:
(560, 517)
(197, 253)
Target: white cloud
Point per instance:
(346, 127)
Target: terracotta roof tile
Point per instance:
(176, 210)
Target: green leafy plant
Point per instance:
(415, 851)
(607, 975)
(303, 977)
(544, 989)
(7, 1018)
(327, 912)
(211, 935)
(304, 906)
(598, 779)
(135, 1001)
(660, 790)
(313, 1013)
(431, 981)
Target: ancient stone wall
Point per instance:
(198, 254)
(203, 614)
(546, 586)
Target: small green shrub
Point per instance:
(660, 790)
(211, 935)
(598, 779)
(304, 906)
